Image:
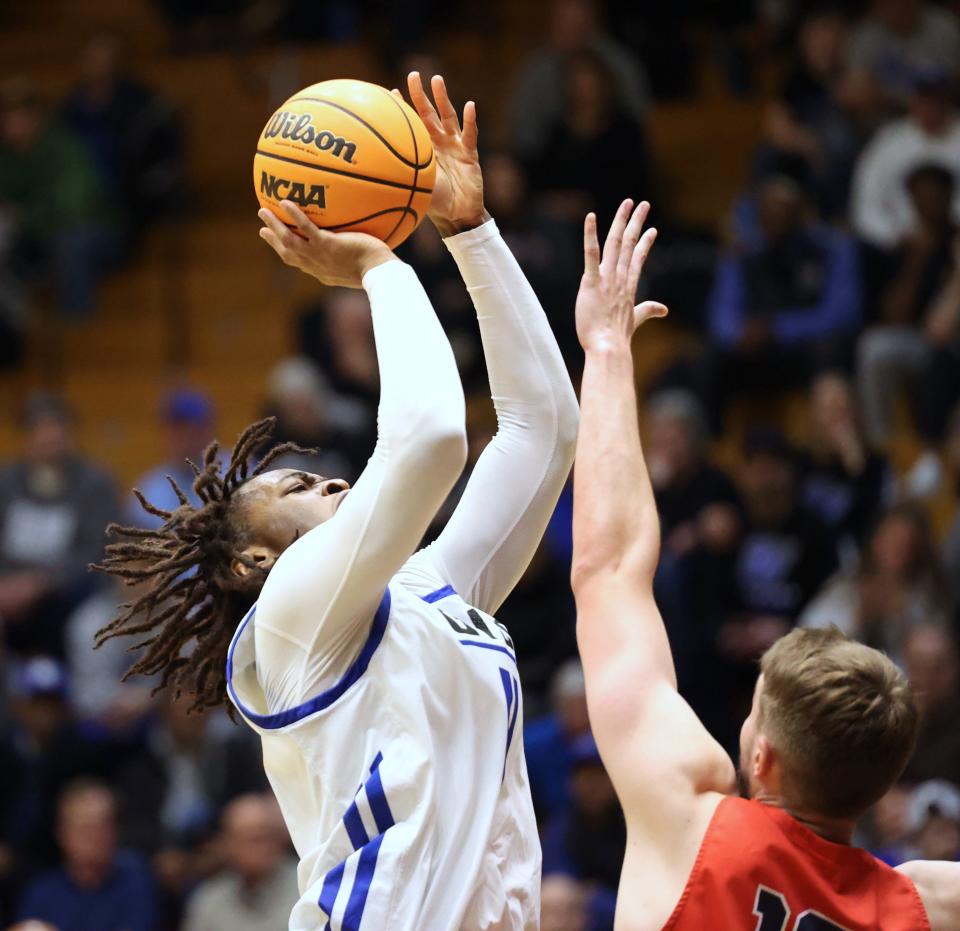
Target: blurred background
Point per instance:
(799, 406)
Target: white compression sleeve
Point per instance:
(500, 520)
(320, 596)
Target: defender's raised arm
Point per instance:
(664, 765)
(616, 539)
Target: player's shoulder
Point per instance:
(937, 884)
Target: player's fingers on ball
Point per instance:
(591, 248)
(451, 122)
(611, 246)
(276, 224)
(306, 228)
(470, 131)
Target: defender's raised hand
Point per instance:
(606, 312)
(457, 203)
(340, 259)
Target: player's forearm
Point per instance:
(528, 378)
(421, 412)
(616, 528)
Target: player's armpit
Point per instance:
(938, 884)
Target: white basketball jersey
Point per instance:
(404, 785)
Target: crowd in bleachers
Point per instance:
(834, 285)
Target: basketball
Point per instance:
(351, 156)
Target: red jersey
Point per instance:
(759, 869)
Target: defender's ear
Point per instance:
(253, 557)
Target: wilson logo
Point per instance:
(300, 128)
(313, 195)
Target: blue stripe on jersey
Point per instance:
(326, 698)
(354, 825)
(439, 594)
(511, 691)
(366, 866)
(516, 709)
(378, 801)
(369, 851)
(328, 894)
(488, 646)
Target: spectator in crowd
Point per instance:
(259, 880)
(569, 905)
(42, 749)
(951, 544)
(541, 617)
(130, 133)
(595, 130)
(784, 307)
(548, 740)
(916, 304)
(881, 209)
(885, 832)
(933, 667)
(897, 586)
(173, 787)
(843, 481)
(563, 904)
(442, 282)
(939, 388)
(13, 294)
(99, 887)
(191, 765)
(890, 44)
(45, 172)
(338, 336)
(544, 247)
(786, 553)
(934, 818)
(537, 104)
(587, 838)
(701, 523)
(697, 502)
(188, 427)
(54, 506)
(107, 705)
(309, 415)
(808, 133)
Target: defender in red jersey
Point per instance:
(832, 726)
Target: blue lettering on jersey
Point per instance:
(368, 848)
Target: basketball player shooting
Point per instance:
(385, 693)
(832, 726)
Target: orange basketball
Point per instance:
(351, 156)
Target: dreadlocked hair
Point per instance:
(191, 592)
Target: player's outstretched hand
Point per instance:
(457, 203)
(606, 313)
(340, 259)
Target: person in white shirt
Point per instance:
(881, 210)
(385, 693)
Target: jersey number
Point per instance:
(773, 914)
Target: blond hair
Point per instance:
(841, 717)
